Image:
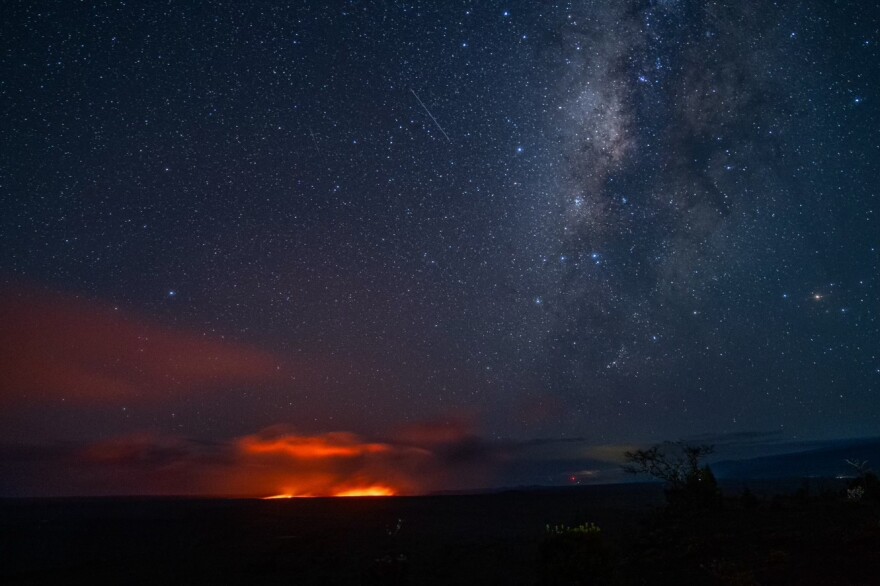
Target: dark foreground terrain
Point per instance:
(800, 538)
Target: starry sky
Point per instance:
(306, 247)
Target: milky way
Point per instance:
(680, 211)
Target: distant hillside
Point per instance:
(827, 460)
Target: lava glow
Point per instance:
(279, 461)
(375, 490)
(367, 491)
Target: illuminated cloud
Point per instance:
(415, 460)
(278, 461)
(331, 445)
(54, 347)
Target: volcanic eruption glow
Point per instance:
(374, 490)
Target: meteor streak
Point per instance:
(429, 114)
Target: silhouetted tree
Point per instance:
(678, 464)
(866, 480)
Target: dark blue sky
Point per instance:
(615, 221)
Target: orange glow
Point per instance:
(54, 347)
(374, 490)
(367, 491)
(331, 445)
(282, 463)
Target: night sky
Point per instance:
(315, 247)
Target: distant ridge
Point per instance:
(826, 461)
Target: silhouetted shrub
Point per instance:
(868, 486)
(688, 484)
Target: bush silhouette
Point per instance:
(866, 481)
(678, 465)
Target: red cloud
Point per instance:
(282, 462)
(54, 347)
(419, 458)
(331, 445)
